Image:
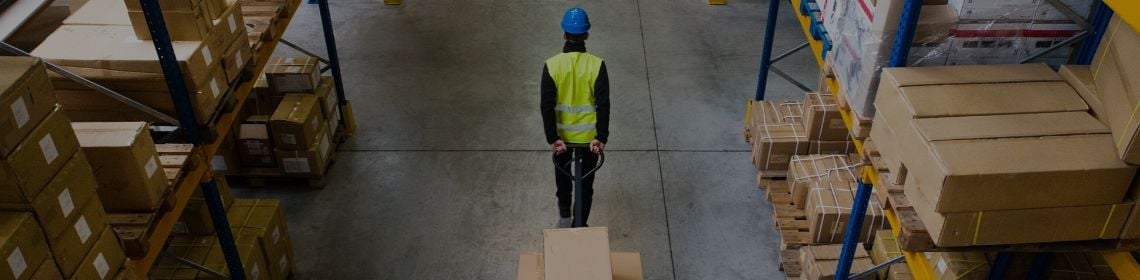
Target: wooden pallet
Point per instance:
(261, 177)
(134, 229)
(790, 263)
(788, 220)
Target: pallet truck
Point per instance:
(577, 151)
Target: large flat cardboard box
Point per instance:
(1081, 79)
(293, 74)
(579, 253)
(104, 259)
(820, 261)
(126, 164)
(191, 25)
(312, 161)
(91, 106)
(626, 266)
(81, 234)
(822, 119)
(116, 48)
(22, 245)
(25, 99)
(1115, 72)
(37, 159)
(994, 227)
(296, 122)
(994, 145)
(102, 12)
(58, 205)
(960, 266)
(263, 218)
(255, 147)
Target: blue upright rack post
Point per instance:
(334, 59)
(1001, 264)
(181, 96)
(1100, 19)
(766, 55)
(1039, 266)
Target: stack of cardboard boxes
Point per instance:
(51, 220)
(196, 219)
(992, 159)
(820, 261)
(293, 118)
(126, 165)
(885, 248)
(262, 239)
(209, 41)
(579, 254)
(824, 187)
(779, 131)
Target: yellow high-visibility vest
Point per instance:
(574, 74)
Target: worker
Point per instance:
(575, 107)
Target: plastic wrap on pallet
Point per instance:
(954, 32)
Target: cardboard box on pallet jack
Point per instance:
(579, 253)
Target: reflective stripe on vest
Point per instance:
(574, 74)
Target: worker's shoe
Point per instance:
(565, 222)
(564, 209)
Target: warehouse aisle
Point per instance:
(448, 176)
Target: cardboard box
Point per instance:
(22, 245)
(192, 248)
(1115, 71)
(1080, 78)
(102, 12)
(292, 74)
(126, 164)
(960, 266)
(91, 106)
(192, 25)
(899, 271)
(885, 248)
(820, 261)
(238, 54)
(312, 161)
(626, 266)
(828, 211)
(994, 227)
(81, 234)
(775, 144)
(195, 220)
(1017, 10)
(254, 145)
(994, 151)
(248, 248)
(831, 147)
(297, 122)
(58, 205)
(32, 165)
(822, 119)
(116, 48)
(326, 94)
(104, 259)
(26, 99)
(819, 171)
(579, 253)
(47, 271)
(263, 218)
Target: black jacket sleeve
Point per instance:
(602, 100)
(546, 106)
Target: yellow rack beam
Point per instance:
(1129, 10)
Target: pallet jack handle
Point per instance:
(576, 150)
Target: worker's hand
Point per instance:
(558, 147)
(597, 146)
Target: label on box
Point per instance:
(238, 61)
(941, 266)
(48, 147)
(214, 86)
(152, 167)
(219, 163)
(101, 266)
(65, 203)
(283, 263)
(289, 139)
(207, 55)
(316, 122)
(20, 112)
(16, 262)
(255, 272)
(233, 24)
(324, 147)
(276, 235)
(296, 165)
(82, 229)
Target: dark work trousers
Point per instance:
(565, 183)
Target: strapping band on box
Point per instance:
(1104, 227)
(788, 120)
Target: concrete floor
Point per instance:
(448, 176)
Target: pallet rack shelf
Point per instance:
(1123, 263)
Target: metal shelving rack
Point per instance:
(1123, 263)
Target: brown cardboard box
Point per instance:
(819, 171)
(960, 144)
(237, 55)
(312, 161)
(32, 165)
(47, 271)
(126, 164)
(104, 259)
(101, 12)
(230, 25)
(885, 248)
(263, 218)
(822, 119)
(1016, 226)
(192, 248)
(21, 244)
(216, 7)
(960, 266)
(190, 25)
(626, 266)
(58, 205)
(116, 48)
(831, 147)
(79, 237)
(251, 259)
(292, 74)
(1081, 79)
(820, 261)
(775, 144)
(91, 106)
(1114, 72)
(579, 253)
(25, 96)
(326, 94)
(196, 219)
(296, 122)
(829, 210)
(254, 145)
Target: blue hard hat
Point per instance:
(576, 21)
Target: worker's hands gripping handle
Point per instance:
(559, 147)
(597, 146)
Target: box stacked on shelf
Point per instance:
(824, 187)
(262, 240)
(118, 54)
(126, 164)
(196, 219)
(885, 248)
(820, 261)
(779, 131)
(44, 172)
(989, 158)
